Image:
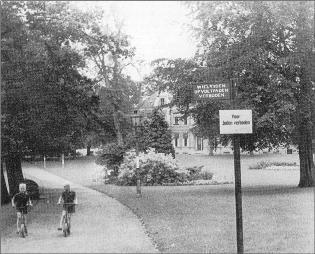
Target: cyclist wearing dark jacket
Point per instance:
(69, 200)
(20, 201)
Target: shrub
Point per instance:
(206, 175)
(155, 169)
(266, 164)
(157, 134)
(196, 173)
(261, 165)
(111, 156)
(158, 169)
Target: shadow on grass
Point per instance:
(256, 190)
(224, 189)
(201, 190)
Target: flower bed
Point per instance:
(157, 169)
(267, 165)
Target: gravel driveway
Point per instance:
(100, 224)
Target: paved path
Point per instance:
(100, 225)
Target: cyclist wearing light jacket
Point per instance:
(66, 197)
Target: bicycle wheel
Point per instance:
(64, 232)
(65, 228)
(22, 231)
(68, 230)
(69, 224)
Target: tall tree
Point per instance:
(304, 44)
(155, 133)
(45, 100)
(267, 45)
(5, 197)
(109, 51)
(264, 46)
(13, 40)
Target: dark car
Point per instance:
(32, 188)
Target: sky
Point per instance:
(158, 29)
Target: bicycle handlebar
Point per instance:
(19, 207)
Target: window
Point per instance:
(185, 139)
(199, 144)
(176, 120)
(162, 101)
(176, 137)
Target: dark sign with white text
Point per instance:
(216, 91)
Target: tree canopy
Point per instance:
(265, 48)
(49, 103)
(46, 103)
(108, 51)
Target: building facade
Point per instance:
(184, 140)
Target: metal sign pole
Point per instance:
(138, 183)
(138, 172)
(63, 160)
(222, 91)
(136, 119)
(238, 184)
(238, 194)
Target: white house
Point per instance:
(184, 140)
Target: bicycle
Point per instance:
(66, 221)
(23, 229)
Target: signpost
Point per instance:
(63, 160)
(44, 161)
(233, 122)
(136, 120)
(237, 122)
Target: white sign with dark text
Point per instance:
(236, 121)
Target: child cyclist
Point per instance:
(69, 200)
(20, 201)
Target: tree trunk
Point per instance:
(306, 163)
(117, 128)
(305, 128)
(5, 197)
(115, 115)
(88, 150)
(14, 172)
(211, 146)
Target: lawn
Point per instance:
(277, 216)
(80, 171)
(201, 219)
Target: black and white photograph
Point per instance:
(157, 126)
